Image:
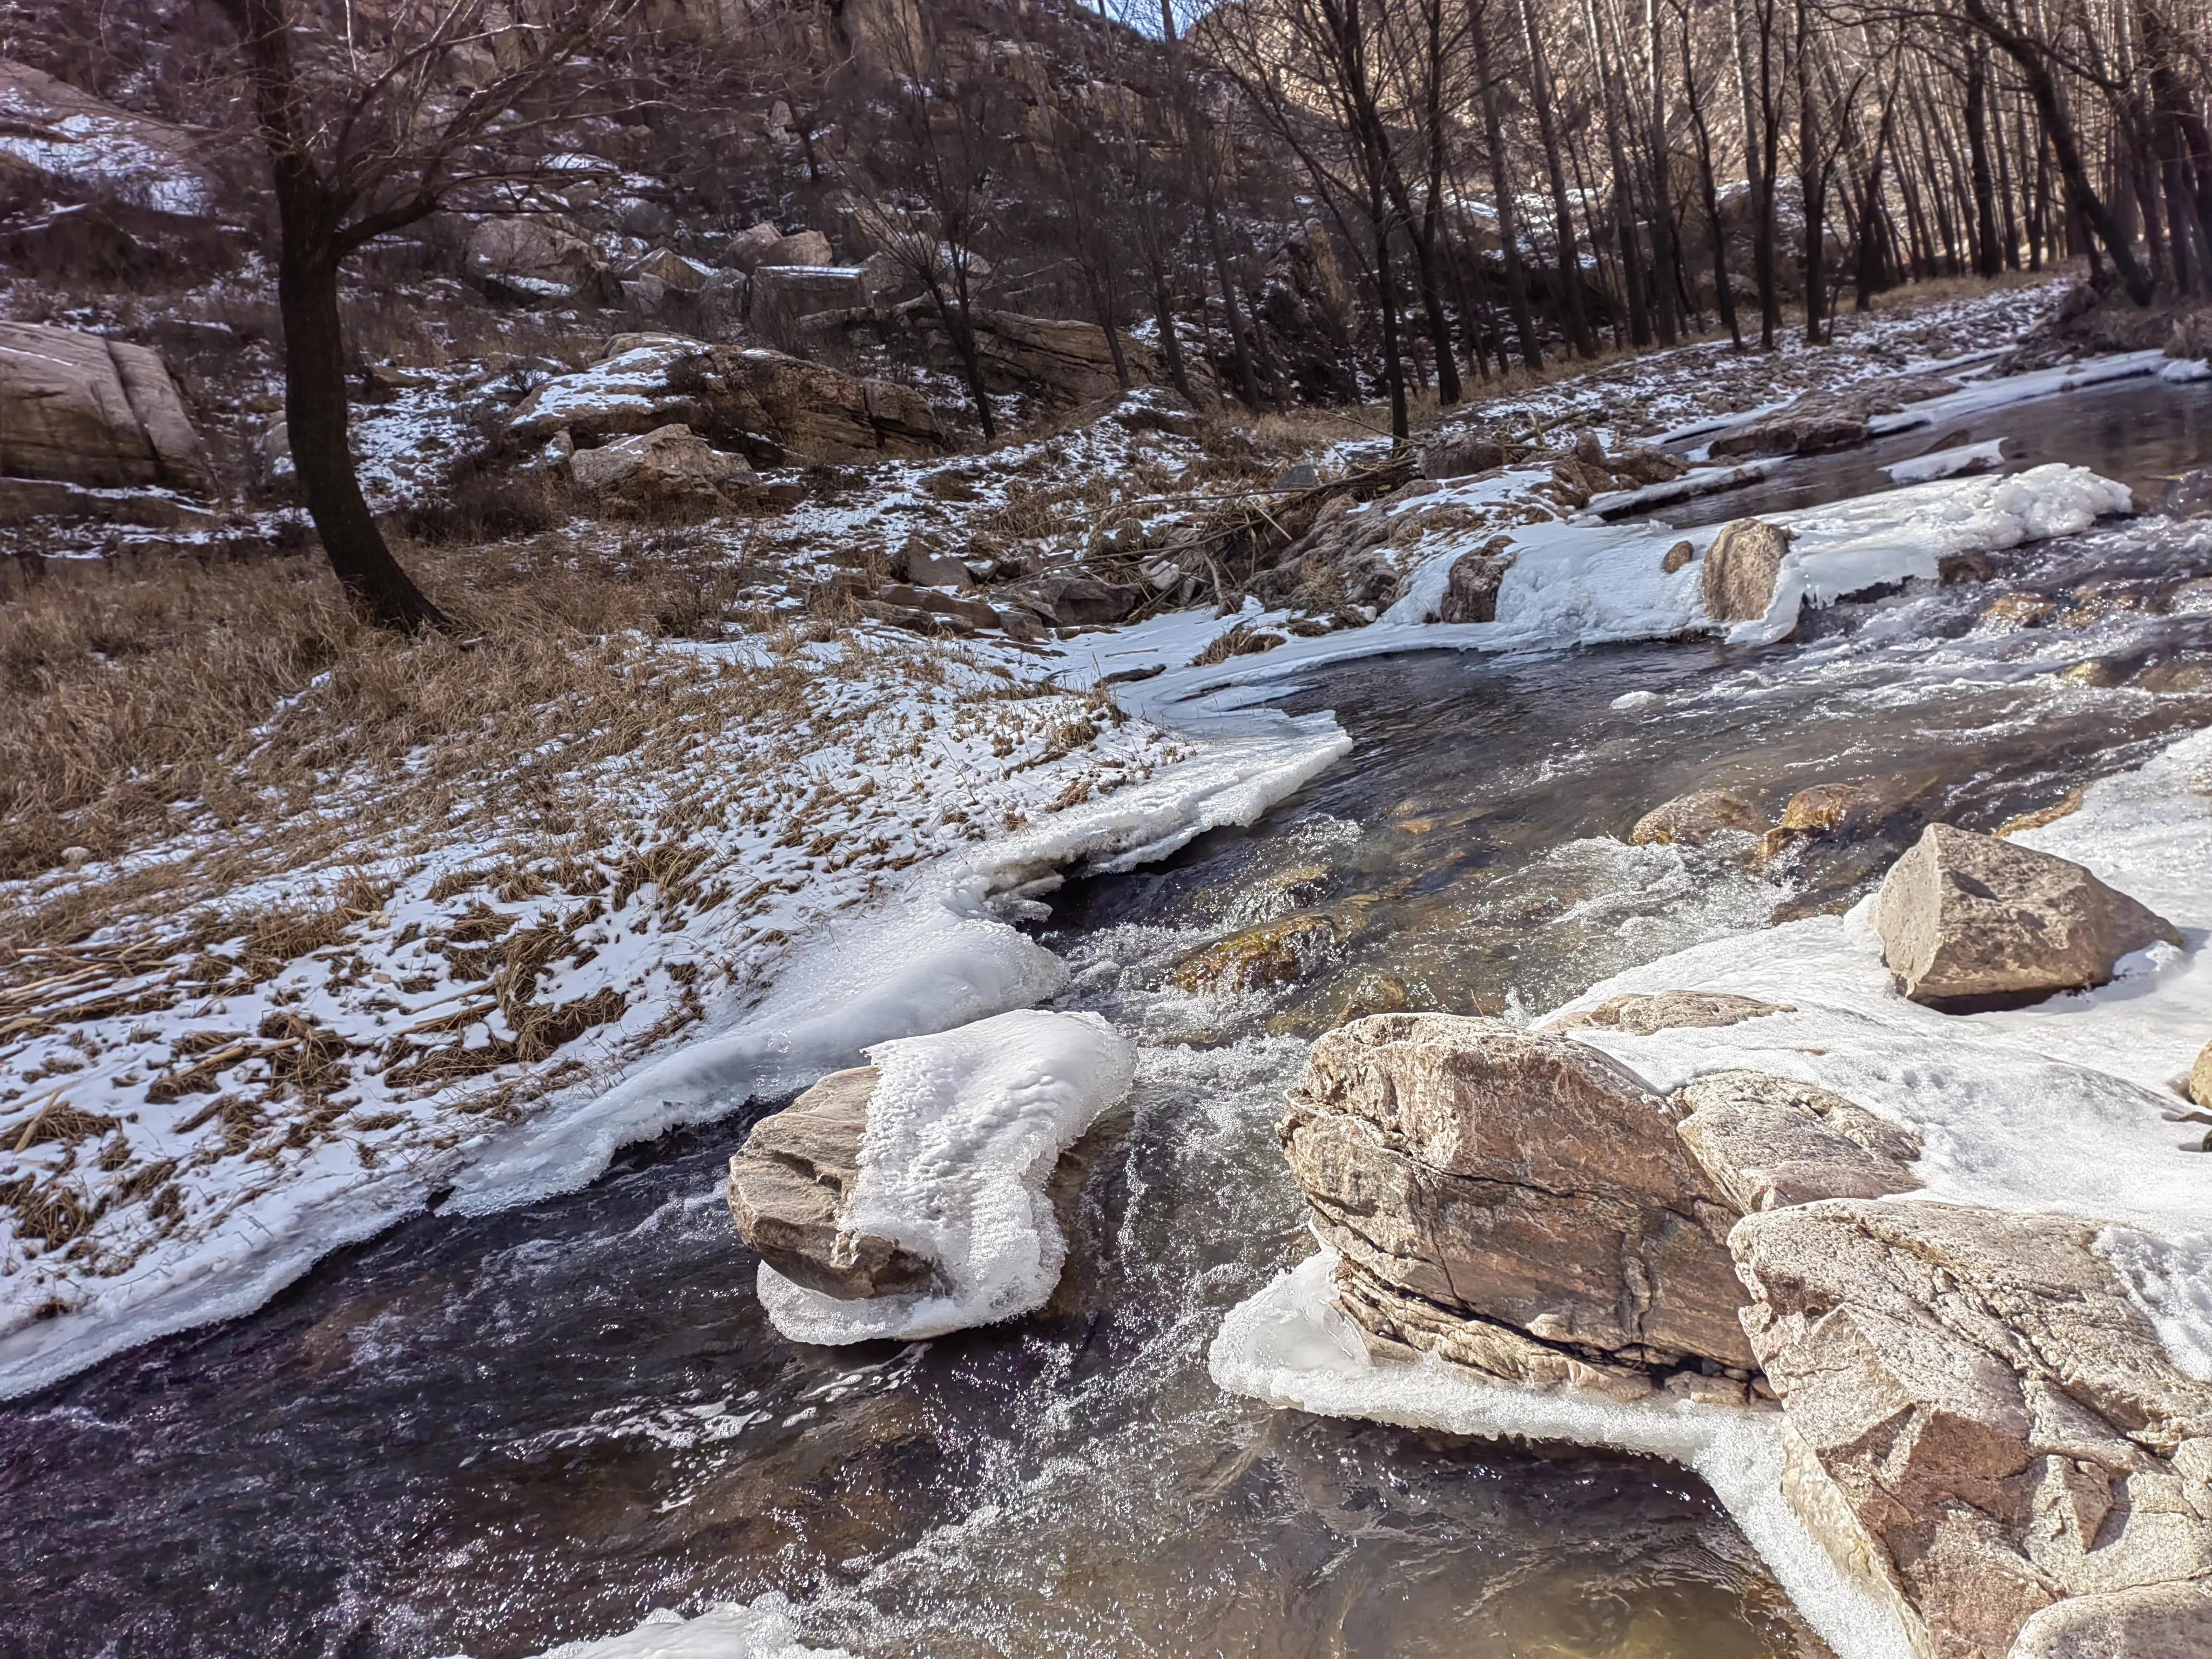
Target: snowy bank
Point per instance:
(964, 1129)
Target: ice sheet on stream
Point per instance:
(1579, 583)
(964, 1130)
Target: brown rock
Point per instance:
(1677, 556)
(1473, 1174)
(101, 414)
(1740, 568)
(2019, 610)
(2154, 1621)
(1471, 588)
(1693, 819)
(1998, 1414)
(1666, 1011)
(1461, 456)
(669, 463)
(1644, 465)
(1278, 952)
(788, 1188)
(1965, 916)
(1770, 1141)
(2200, 1078)
(1068, 601)
(1820, 421)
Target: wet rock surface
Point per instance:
(1740, 570)
(1693, 819)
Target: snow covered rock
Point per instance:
(741, 396)
(1741, 568)
(1998, 1414)
(1964, 916)
(781, 296)
(669, 463)
(961, 1131)
(1666, 1011)
(82, 410)
(50, 128)
(1820, 421)
(788, 1188)
(1693, 819)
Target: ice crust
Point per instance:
(1948, 463)
(1289, 1347)
(762, 1629)
(964, 1129)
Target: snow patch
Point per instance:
(964, 1130)
(1948, 463)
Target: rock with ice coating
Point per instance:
(963, 1132)
(1999, 1415)
(1741, 569)
(787, 1192)
(1691, 820)
(1964, 916)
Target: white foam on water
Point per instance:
(762, 1629)
(964, 1131)
(1289, 1347)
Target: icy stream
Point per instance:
(490, 1435)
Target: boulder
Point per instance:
(2000, 1417)
(1771, 1141)
(1820, 421)
(927, 566)
(2154, 1621)
(1642, 1013)
(1461, 456)
(1677, 557)
(782, 296)
(669, 463)
(1471, 587)
(1068, 601)
(1965, 917)
(2200, 1078)
(764, 244)
(1278, 952)
(1693, 819)
(535, 258)
(675, 273)
(789, 1186)
(1060, 361)
(1740, 568)
(78, 408)
(766, 403)
(1482, 1183)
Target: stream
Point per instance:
(489, 1436)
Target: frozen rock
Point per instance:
(1965, 916)
(788, 1189)
(1740, 568)
(668, 463)
(1664, 1011)
(1471, 588)
(1695, 818)
(2000, 1417)
(79, 409)
(1820, 421)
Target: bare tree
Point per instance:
(370, 129)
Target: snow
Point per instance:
(1948, 463)
(964, 1131)
(762, 1629)
(1289, 1347)
(2184, 370)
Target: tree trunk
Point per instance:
(315, 421)
(1722, 296)
(1570, 264)
(1170, 343)
(1665, 255)
(1811, 179)
(1501, 179)
(1989, 258)
(1624, 204)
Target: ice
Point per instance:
(1948, 463)
(964, 1130)
(2182, 371)
(762, 1629)
(1288, 1346)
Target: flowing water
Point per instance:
(488, 1435)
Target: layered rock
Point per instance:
(81, 410)
(1999, 1416)
(789, 1186)
(1965, 917)
(1741, 568)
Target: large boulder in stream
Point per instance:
(1741, 569)
(1522, 1204)
(1693, 819)
(1966, 917)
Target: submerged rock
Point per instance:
(1965, 916)
(1279, 952)
(788, 1189)
(1741, 568)
(1693, 819)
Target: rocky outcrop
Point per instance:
(668, 464)
(764, 244)
(1515, 1202)
(2000, 1417)
(97, 414)
(780, 297)
(1740, 568)
(1693, 819)
(1965, 917)
(763, 403)
(1060, 362)
(789, 1186)
(1820, 421)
